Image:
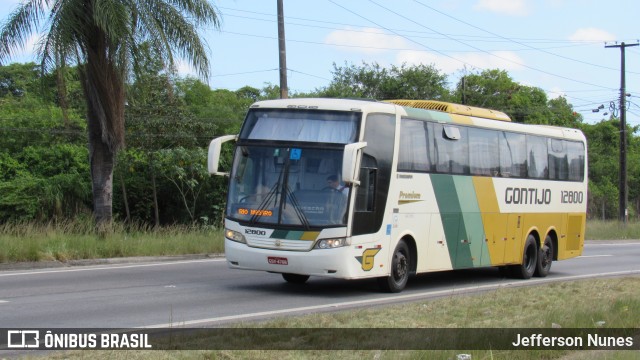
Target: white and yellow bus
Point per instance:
(356, 189)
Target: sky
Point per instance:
(556, 45)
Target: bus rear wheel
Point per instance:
(400, 268)
(295, 278)
(545, 257)
(529, 260)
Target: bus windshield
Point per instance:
(334, 127)
(293, 186)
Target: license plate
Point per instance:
(277, 260)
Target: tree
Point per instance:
(495, 89)
(102, 38)
(376, 82)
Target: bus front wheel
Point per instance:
(400, 268)
(529, 260)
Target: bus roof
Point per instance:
(452, 108)
(426, 110)
(327, 104)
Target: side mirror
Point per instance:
(213, 158)
(351, 162)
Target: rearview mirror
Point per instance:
(351, 162)
(213, 158)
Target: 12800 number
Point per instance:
(571, 197)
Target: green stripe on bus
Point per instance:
(452, 220)
(472, 220)
(295, 235)
(461, 220)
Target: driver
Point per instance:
(332, 182)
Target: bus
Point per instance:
(356, 189)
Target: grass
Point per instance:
(74, 240)
(612, 230)
(579, 304)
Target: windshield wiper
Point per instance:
(296, 207)
(272, 194)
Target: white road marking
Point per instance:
(592, 256)
(425, 294)
(3, 301)
(112, 267)
(604, 243)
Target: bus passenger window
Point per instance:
(483, 152)
(513, 157)
(558, 165)
(575, 158)
(452, 147)
(537, 157)
(414, 147)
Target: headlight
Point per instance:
(331, 243)
(234, 236)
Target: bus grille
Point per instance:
(280, 244)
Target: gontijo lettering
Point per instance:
(527, 196)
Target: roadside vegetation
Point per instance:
(612, 230)
(75, 240)
(587, 304)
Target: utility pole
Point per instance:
(623, 135)
(284, 91)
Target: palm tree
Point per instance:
(102, 37)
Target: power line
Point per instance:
(486, 52)
(514, 41)
(473, 37)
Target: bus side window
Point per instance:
(558, 161)
(414, 154)
(513, 155)
(575, 157)
(483, 152)
(537, 157)
(452, 147)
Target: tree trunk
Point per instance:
(124, 197)
(101, 161)
(103, 86)
(156, 211)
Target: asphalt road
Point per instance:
(204, 292)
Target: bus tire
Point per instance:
(400, 268)
(295, 278)
(545, 258)
(529, 260)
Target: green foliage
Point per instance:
(170, 121)
(18, 80)
(603, 144)
(186, 171)
(373, 81)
